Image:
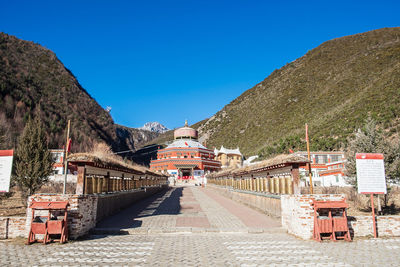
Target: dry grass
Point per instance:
(102, 154)
(14, 204)
(279, 159)
(102, 150)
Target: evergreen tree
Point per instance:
(1, 138)
(33, 161)
(371, 140)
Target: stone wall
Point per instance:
(264, 202)
(298, 213)
(386, 225)
(59, 178)
(109, 204)
(11, 227)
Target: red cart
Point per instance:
(330, 220)
(55, 223)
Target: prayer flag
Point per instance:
(69, 145)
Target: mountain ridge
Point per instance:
(154, 127)
(34, 81)
(333, 88)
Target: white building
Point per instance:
(327, 168)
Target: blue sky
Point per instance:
(168, 61)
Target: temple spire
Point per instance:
(186, 124)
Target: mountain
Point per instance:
(34, 81)
(154, 127)
(333, 88)
(168, 136)
(134, 138)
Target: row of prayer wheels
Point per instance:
(275, 185)
(94, 184)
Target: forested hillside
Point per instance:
(333, 88)
(34, 81)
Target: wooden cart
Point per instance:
(55, 223)
(334, 224)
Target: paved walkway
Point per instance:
(195, 227)
(188, 209)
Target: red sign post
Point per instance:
(371, 177)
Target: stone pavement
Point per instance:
(187, 209)
(194, 227)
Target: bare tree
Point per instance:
(371, 140)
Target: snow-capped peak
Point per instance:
(154, 127)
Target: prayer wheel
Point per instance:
(289, 184)
(271, 185)
(276, 185)
(282, 185)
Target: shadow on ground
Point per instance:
(163, 203)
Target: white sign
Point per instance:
(370, 173)
(6, 159)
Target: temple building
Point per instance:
(229, 157)
(185, 158)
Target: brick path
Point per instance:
(187, 209)
(195, 227)
(249, 217)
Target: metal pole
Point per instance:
(373, 214)
(65, 159)
(309, 164)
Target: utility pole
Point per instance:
(309, 159)
(65, 159)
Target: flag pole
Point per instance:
(65, 159)
(309, 159)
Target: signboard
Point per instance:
(6, 159)
(370, 173)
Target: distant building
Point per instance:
(58, 157)
(229, 157)
(185, 158)
(58, 165)
(327, 168)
